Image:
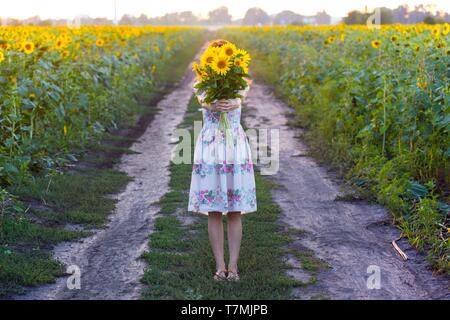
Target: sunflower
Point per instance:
(445, 29)
(68, 39)
(243, 55)
(376, 44)
(2, 56)
(331, 39)
(60, 43)
(436, 31)
(203, 76)
(4, 45)
(45, 37)
(239, 62)
(215, 50)
(229, 49)
(440, 45)
(28, 47)
(394, 38)
(100, 42)
(207, 58)
(221, 64)
(422, 82)
(13, 79)
(196, 68)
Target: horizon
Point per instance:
(54, 9)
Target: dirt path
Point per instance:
(109, 260)
(350, 236)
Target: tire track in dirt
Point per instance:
(350, 236)
(109, 260)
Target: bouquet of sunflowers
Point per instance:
(222, 71)
(221, 76)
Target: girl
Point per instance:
(223, 179)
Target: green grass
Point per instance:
(29, 268)
(33, 220)
(75, 197)
(21, 232)
(180, 259)
(309, 261)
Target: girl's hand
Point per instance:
(226, 105)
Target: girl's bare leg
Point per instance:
(234, 239)
(215, 231)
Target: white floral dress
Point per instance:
(223, 179)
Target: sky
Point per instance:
(68, 9)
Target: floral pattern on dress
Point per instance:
(232, 200)
(205, 169)
(212, 117)
(213, 135)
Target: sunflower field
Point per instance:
(376, 105)
(62, 90)
(62, 86)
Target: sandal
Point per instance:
(233, 276)
(220, 275)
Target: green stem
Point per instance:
(225, 125)
(384, 117)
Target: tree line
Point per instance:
(403, 14)
(254, 17)
(219, 16)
